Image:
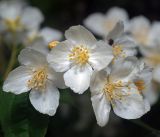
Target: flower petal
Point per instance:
(31, 57)
(50, 34)
(124, 69)
(10, 9)
(46, 102)
(58, 57)
(101, 56)
(80, 35)
(156, 73)
(95, 23)
(32, 17)
(117, 31)
(132, 106)
(78, 78)
(101, 108)
(56, 78)
(17, 79)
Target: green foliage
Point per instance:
(19, 119)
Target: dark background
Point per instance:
(61, 14)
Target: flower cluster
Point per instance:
(115, 77)
(20, 24)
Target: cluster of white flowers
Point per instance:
(108, 67)
(20, 24)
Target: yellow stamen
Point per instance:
(113, 91)
(140, 85)
(53, 44)
(79, 54)
(38, 80)
(117, 50)
(13, 25)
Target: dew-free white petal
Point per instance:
(101, 108)
(78, 78)
(80, 35)
(47, 101)
(17, 80)
(31, 57)
(58, 57)
(100, 56)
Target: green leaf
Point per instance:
(19, 119)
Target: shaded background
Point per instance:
(68, 121)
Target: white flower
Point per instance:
(15, 18)
(36, 76)
(47, 34)
(143, 81)
(151, 57)
(143, 32)
(102, 24)
(122, 45)
(78, 56)
(115, 87)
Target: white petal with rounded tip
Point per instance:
(50, 34)
(132, 106)
(17, 79)
(78, 78)
(46, 102)
(10, 10)
(95, 23)
(101, 56)
(32, 17)
(140, 28)
(58, 57)
(101, 108)
(31, 57)
(117, 14)
(80, 35)
(154, 32)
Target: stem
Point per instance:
(11, 61)
(145, 126)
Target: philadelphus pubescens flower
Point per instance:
(36, 76)
(143, 32)
(122, 45)
(78, 56)
(16, 18)
(152, 58)
(118, 87)
(102, 24)
(143, 81)
(47, 34)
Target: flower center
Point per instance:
(79, 54)
(38, 80)
(117, 50)
(140, 85)
(13, 25)
(113, 91)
